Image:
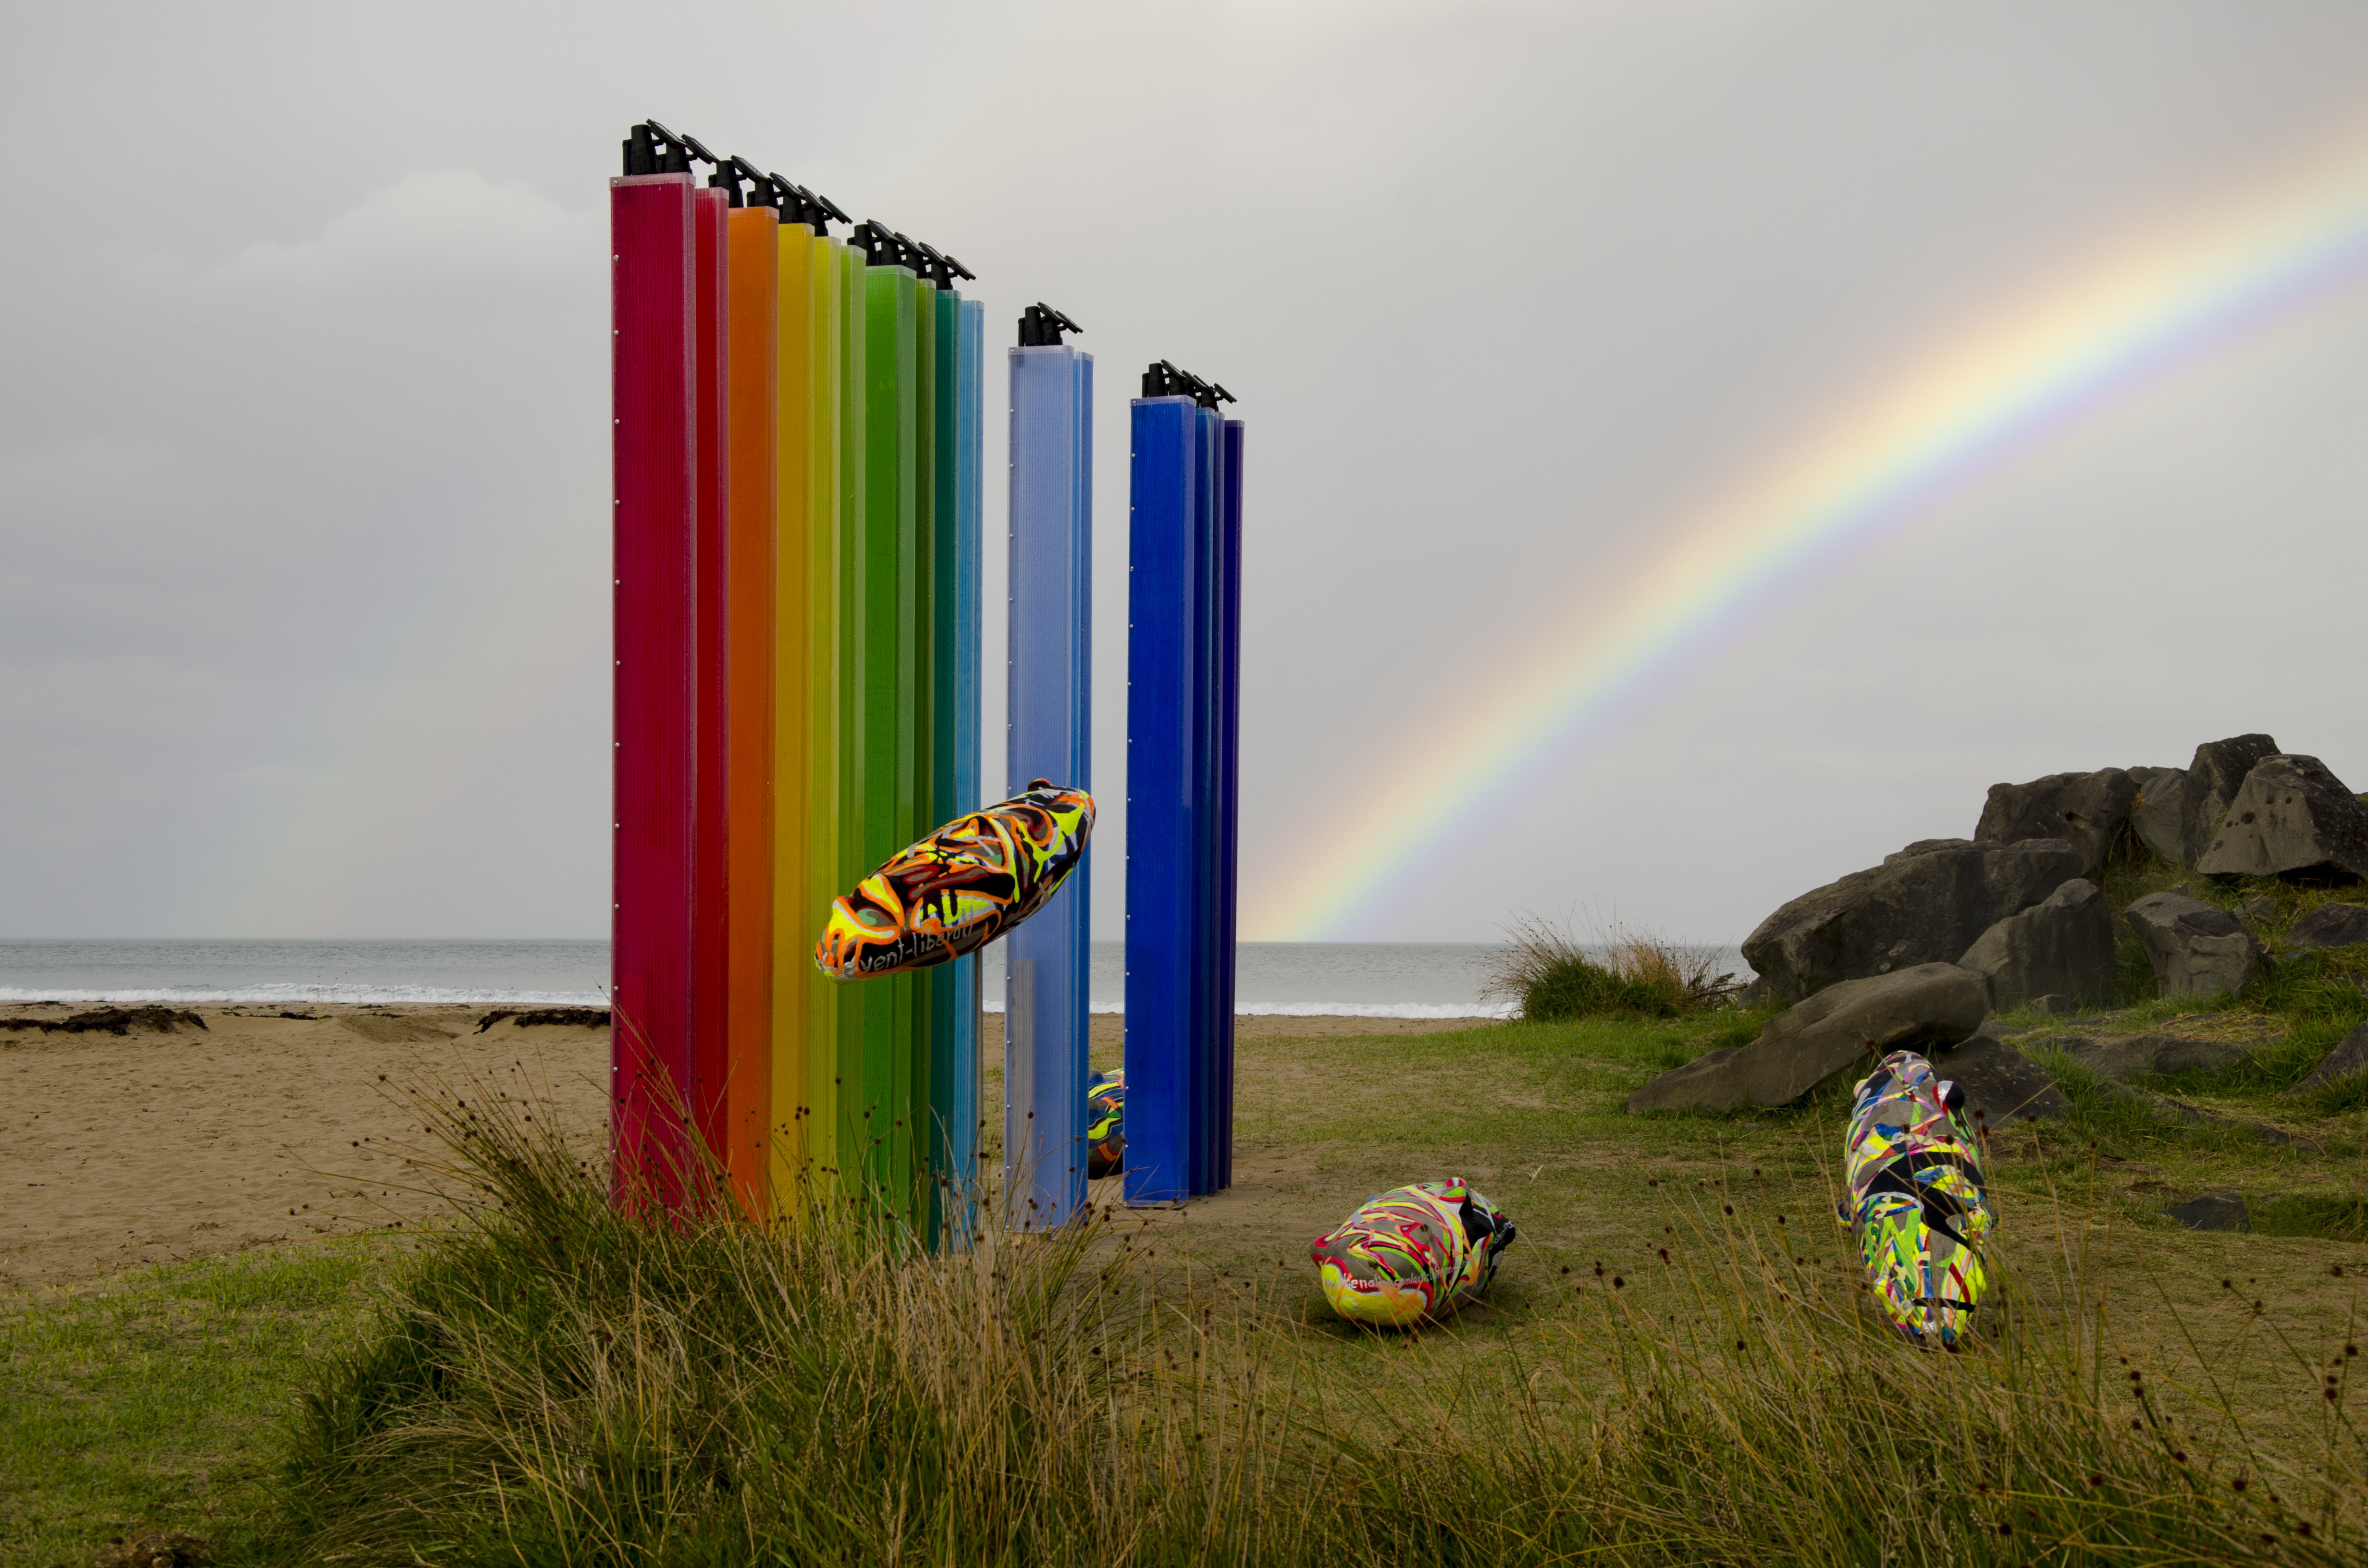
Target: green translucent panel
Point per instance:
(885, 607)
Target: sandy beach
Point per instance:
(270, 1125)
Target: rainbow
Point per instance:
(1976, 400)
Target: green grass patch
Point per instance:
(145, 1402)
(555, 1382)
(2341, 1217)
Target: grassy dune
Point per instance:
(544, 1382)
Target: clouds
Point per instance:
(304, 437)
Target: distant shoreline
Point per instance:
(292, 996)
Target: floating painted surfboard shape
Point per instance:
(960, 888)
(1918, 1206)
(1412, 1252)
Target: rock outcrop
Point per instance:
(2330, 925)
(2197, 950)
(2289, 818)
(2062, 944)
(1926, 1007)
(1926, 904)
(2214, 1211)
(2349, 1060)
(2001, 1085)
(2213, 781)
(2139, 1056)
(2158, 817)
(2087, 811)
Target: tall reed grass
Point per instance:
(555, 1382)
(1554, 975)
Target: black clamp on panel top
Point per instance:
(938, 268)
(1041, 326)
(652, 149)
(1164, 380)
(880, 246)
(800, 205)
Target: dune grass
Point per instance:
(1653, 1378)
(553, 1381)
(1554, 975)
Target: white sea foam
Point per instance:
(348, 995)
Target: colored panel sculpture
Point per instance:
(1049, 734)
(652, 369)
(797, 506)
(1183, 615)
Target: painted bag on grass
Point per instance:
(958, 888)
(1411, 1253)
(1917, 1203)
(1106, 1125)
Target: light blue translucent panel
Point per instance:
(1049, 735)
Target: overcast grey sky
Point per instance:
(303, 460)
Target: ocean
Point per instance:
(1361, 979)
(1399, 979)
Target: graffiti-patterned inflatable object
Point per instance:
(1411, 1253)
(1916, 1204)
(1106, 1125)
(958, 888)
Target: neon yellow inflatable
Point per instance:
(1412, 1252)
(958, 888)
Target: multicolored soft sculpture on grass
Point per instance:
(1917, 1203)
(1412, 1252)
(958, 888)
(1106, 1125)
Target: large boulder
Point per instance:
(2062, 944)
(2001, 1083)
(2330, 925)
(2158, 817)
(1841, 1030)
(2349, 1060)
(2289, 818)
(1926, 904)
(2197, 950)
(2144, 1055)
(2213, 781)
(2087, 811)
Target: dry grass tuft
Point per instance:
(1554, 975)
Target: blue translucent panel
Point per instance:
(1163, 873)
(1049, 736)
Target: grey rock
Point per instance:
(2197, 950)
(1805, 1047)
(2055, 1007)
(2064, 945)
(1925, 846)
(2137, 1055)
(2157, 815)
(2348, 1059)
(1917, 907)
(2330, 925)
(2290, 817)
(1703, 1084)
(2087, 811)
(2213, 781)
(2260, 909)
(2214, 1211)
(2001, 1085)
